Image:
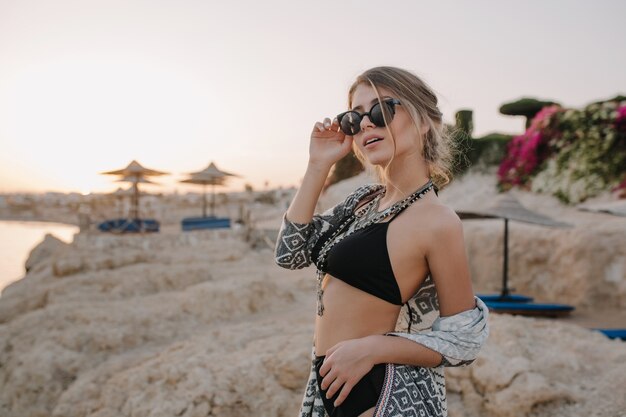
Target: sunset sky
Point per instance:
(88, 86)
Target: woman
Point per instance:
(395, 299)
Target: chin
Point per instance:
(378, 159)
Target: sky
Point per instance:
(87, 86)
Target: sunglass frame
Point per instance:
(392, 102)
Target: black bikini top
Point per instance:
(362, 261)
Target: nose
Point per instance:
(365, 121)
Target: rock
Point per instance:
(531, 364)
(49, 246)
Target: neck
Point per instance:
(408, 174)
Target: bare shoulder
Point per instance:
(424, 222)
(434, 217)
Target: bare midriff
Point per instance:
(350, 313)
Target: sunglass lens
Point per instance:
(377, 113)
(351, 123)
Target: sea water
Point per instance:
(18, 238)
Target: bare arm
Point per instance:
(303, 204)
(328, 145)
(385, 349)
(301, 228)
(449, 267)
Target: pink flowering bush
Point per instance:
(620, 119)
(620, 189)
(571, 154)
(526, 152)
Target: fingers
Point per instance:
(327, 124)
(345, 390)
(325, 367)
(334, 387)
(345, 385)
(335, 125)
(327, 380)
(334, 380)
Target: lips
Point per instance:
(371, 139)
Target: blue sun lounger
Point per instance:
(514, 298)
(613, 333)
(529, 309)
(124, 225)
(209, 222)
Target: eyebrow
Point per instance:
(371, 102)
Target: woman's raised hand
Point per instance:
(328, 143)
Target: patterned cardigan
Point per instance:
(408, 390)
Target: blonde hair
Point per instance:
(420, 103)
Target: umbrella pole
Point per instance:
(213, 200)
(203, 200)
(505, 275)
(135, 213)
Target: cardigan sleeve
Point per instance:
(295, 241)
(458, 338)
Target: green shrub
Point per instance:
(527, 107)
(480, 153)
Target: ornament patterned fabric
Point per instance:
(408, 390)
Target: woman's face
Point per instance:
(404, 132)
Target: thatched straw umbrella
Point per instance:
(507, 207)
(212, 176)
(135, 173)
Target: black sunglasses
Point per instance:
(350, 121)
